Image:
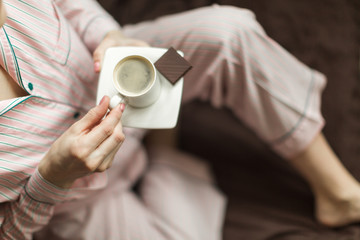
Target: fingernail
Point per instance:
(122, 107)
(97, 66)
(102, 100)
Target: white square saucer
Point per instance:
(161, 114)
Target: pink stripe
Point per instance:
(10, 194)
(63, 91)
(26, 142)
(44, 191)
(45, 38)
(59, 115)
(41, 26)
(15, 174)
(31, 120)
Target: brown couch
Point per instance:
(267, 198)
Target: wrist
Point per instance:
(54, 177)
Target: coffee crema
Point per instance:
(135, 75)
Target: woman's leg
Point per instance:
(238, 66)
(176, 200)
(235, 64)
(178, 190)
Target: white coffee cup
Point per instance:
(137, 82)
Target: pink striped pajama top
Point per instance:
(44, 54)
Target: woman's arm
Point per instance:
(87, 146)
(32, 210)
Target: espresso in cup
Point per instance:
(135, 75)
(136, 81)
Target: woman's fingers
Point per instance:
(104, 129)
(113, 39)
(107, 147)
(93, 117)
(107, 162)
(92, 130)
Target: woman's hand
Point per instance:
(87, 146)
(113, 39)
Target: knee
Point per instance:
(230, 13)
(221, 24)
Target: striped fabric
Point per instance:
(47, 58)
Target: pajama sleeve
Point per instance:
(32, 210)
(88, 19)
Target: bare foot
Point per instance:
(336, 191)
(339, 211)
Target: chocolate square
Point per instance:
(172, 65)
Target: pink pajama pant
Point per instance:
(238, 66)
(235, 65)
